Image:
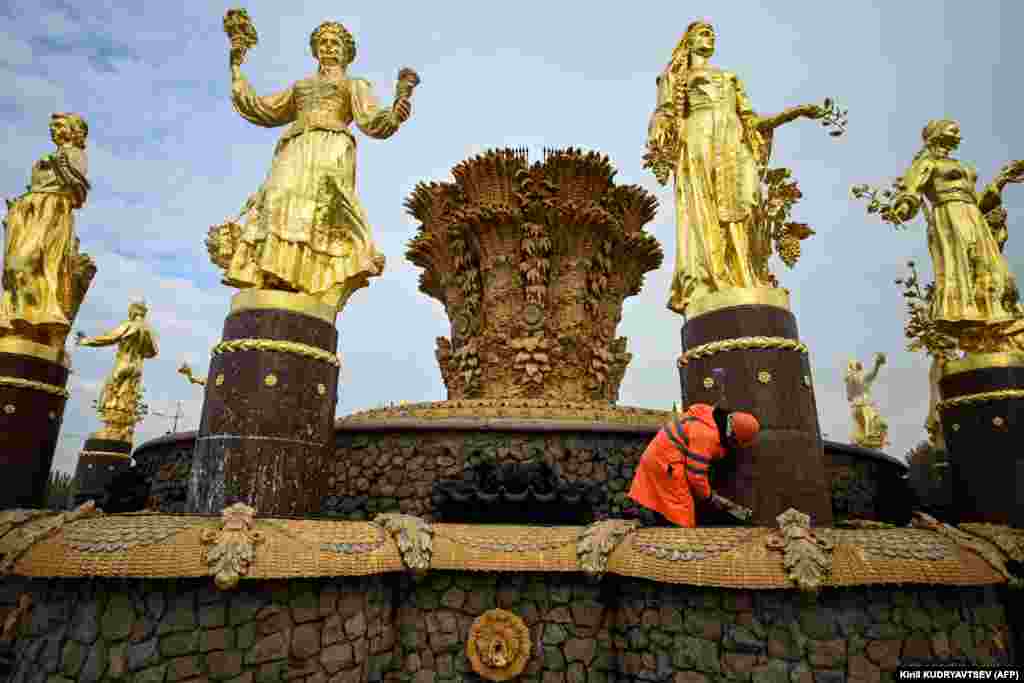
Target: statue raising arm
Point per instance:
(270, 111)
(307, 231)
(869, 378)
(119, 403)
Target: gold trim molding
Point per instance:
(710, 349)
(980, 361)
(23, 383)
(983, 397)
(278, 346)
(727, 298)
(24, 347)
(108, 454)
(266, 299)
(512, 409)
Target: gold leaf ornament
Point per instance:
(231, 549)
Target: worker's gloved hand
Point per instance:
(743, 514)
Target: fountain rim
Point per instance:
(499, 424)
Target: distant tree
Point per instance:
(58, 490)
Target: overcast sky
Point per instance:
(169, 157)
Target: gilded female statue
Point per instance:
(706, 132)
(974, 289)
(305, 229)
(118, 402)
(42, 269)
(869, 429)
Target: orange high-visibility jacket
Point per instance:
(674, 467)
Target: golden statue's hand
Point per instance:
(402, 109)
(237, 56)
(661, 174)
(812, 111)
(79, 336)
(1013, 172)
(902, 211)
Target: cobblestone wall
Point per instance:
(168, 465)
(392, 629)
(186, 630)
(372, 472)
(381, 472)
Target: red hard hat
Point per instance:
(743, 427)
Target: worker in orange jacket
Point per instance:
(674, 467)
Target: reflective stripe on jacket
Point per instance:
(674, 467)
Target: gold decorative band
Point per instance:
(258, 299)
(107, 454)
(34, 385)
(980, 361)
(727, 298)
(277, 346)
(24, 347)
(780, 343)
(983, 397)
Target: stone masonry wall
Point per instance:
(168, 468)
(384, 471)
(187, 630)
(373, 472)
(397, 630)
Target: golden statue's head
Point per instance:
(335, 42)
(137, 309)
(699, 37)
(65, 126)
(941, 135)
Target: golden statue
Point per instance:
(120, 401)
(305, 229)
(187, 371)
(706, 132)
(869, 429)
(975, 299)
(44, 276)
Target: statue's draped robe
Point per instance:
(306, 228)
(136, 342)
(39, 243)
(973, 283)
(717, 183)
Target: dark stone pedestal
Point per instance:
(32, 398)
(268, 416)
(786, 466)
(982, 412)
(99, 462)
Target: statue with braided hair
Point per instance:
(975, 299)
(44, 274)
(305, 229)
(705, 131)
